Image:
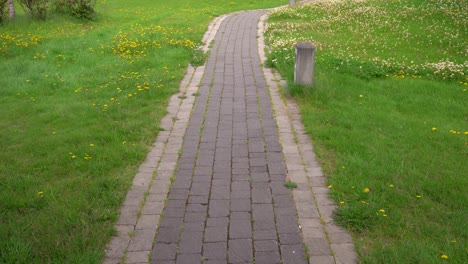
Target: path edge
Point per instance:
(143, 206)
(325, 241)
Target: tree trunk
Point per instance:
(11, 9)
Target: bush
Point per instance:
(82, 9)
(36, 9)
(3, 5)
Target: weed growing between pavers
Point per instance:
(388, 119)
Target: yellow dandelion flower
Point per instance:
(73, 157)
(382, 210)
(434, 128)
(418, 196)
(41, 194)
(366, 190)
(91, 145)
(342, 202)
(443, 256)
(330, 186)
(361, 96)
(391, 185)
(384, 215)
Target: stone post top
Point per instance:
(305, 45)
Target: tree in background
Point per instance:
(39, 9)
(11, 9)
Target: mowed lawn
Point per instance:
(388, 116)
(80, 103)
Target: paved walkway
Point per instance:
(212, 188)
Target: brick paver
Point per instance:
(232, 165)
(212, 188)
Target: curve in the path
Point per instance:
(228, 203)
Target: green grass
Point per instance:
(398, 131)
(80, 104)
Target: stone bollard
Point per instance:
(292, 2)
(305, 64)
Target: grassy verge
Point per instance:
(80, 103)
(388, 117)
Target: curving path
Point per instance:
(212, 188)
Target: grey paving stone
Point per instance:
(200, 188)
(202, 199)
(190, 242)
(324, 259)
(116, 247)
(215, 251)
(217, 221)
(272, 257)
(290, 238)
(194, 226)
(195, 217)
(240, 250)
(261, 184)
(287, 224)
(240, 215)
(196, 208)
(215, 261)
(220, 192)
(176, 204)
(148, 222)
(167, 235)
(171, 222)
(137, 257)
(178, 194)
(268, 234)
(174, 212)
(162, 261)
(218, 208)
(240, 228)
(163, 251)
(142, 240)
(264, 225)
(221, 182)
(240, 205)
(278, 187)
(216, 234)
(188, 258)
(318, 246)
(293, 254)
(283, 201)
(265, 245)
(344, 253)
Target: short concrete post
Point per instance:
(305, 64)
(292, 2)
